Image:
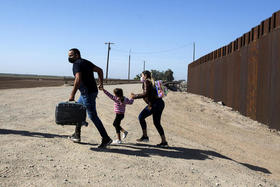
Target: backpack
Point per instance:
(161, 89)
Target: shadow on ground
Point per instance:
(146, 150)
(143, 150)
(32, 134)
(38, 135)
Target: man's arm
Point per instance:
(77, 82)
(100, 76)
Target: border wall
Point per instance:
(245, 74)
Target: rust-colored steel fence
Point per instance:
(245, 74)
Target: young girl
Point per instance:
(119, 107)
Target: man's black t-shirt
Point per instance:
(85, 67)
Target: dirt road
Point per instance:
(210, 145)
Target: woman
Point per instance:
(155, 108)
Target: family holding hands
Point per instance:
(85, 83)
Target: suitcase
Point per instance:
(70, 113)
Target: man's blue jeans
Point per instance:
(88, 99)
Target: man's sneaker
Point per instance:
(75, 138)
(143, 139)
(84, 123)
(124, 134)
(117, 142)
(105, 143)
(162, 144)
(71, 135)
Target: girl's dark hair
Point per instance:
(119, 93)
(148, 74)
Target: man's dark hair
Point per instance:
(76, 51)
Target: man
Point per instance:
(85, 82)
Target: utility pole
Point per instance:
(193, 51)
(129, 65)
(109, 48)
(144, 68)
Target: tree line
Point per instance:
(159, 75)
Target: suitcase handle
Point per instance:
(71, 101)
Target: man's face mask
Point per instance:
(142, 79)
(71, 60)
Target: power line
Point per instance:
(109, 48)
(129, 65)
(153, 52)
(193, 51)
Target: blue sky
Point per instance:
(35, 35)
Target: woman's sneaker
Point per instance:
(162, 144)
(124, 134)
(116, 142)
(143, 139)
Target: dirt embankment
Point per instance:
(12, 82)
